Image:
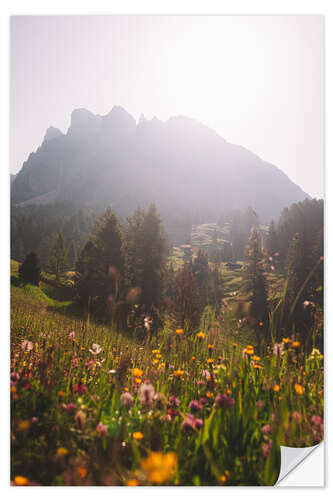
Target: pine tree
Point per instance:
(29, 271)
(254, 283)
(187, 304)
(100, 270)
(58, 260)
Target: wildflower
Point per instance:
(266, 429)
(317, 420)
(206, 374)
(126, 399)
(61, 452)
(21, 480)
(96, 349)
(14, 377)
(223, 479)
(192, 423)
(80, 388)
(178, 373)
(278, 350)
(193, 358)
(70, 407)
(224, 401)
(72, 336)
(158, 467)
(210, 348)
(286, 340)
(101, 429)
(255, 358)
(82, 472)
(137, 435)
(234, 345)
(296, 417)
(179, 331)
(34, 420)
(174, 402)
(61, 394)
(261, 323)
(155, 351)
(210, 361)
(195, 406)
(266, 448)
(27, 345)
(203, 401)
(296, 344)
(136, 372)
(276, 388)
(23, 425)
(146, 394)
(132, 482)
(316, 354)
(209, 395)
(200, 335)
(299, 389)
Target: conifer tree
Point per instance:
(187, 304)
(29, 271)
(58, 258)
(254, 283)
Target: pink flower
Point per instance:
(126, 399)
(70, 407)
(101, 430)
(27, 345)
(14, 377)
(296, 417)
(266, 429)
(71, 335)
(317, 420)
(80, 388)
(195, 406)
(174, 402)
(224, 401)
(192, 423)
(266, 448)
(146, 394)
(278, 350)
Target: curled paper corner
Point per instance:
(291, 458)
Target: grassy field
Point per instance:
(90, 406)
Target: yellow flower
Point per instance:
(132, 482)
(209, 395)
(136, 372)
(155, 361)
(21, 480)
(158, 467)
(178, 373)
(257, 367)
(61, 452)
(228, 392)
(61, 394)
(249, 350)
(296, 344)
(179, 331)
(210, 361)
(299, 389)
(201, 335)
(155, 351)
(234, 344)
(210, 347)
(137, 436)
(158, 356)
(276, 388)
(23, 425)
(138, 380)
(256, 358)
(223, 479)
(286, 340)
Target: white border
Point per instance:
(62, 7)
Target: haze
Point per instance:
(256, 80)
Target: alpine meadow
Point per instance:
(167, 304)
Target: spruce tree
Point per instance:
(29, 271)
(254, 283)
(187, 304)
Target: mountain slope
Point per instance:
(181, 165)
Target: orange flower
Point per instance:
(158, 467)
(209, 395)
(21, 480)
(299, 389)
(61, 452)
(132, 482)
(286, 340)
(296, 344)
(178, 373)
(137, 435)
(210, 361)
(201, 335)
(136, 372)
(179, 331)
(276, 388)
(82, 472)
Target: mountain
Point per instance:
(182, 166)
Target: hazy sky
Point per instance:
(256, 80)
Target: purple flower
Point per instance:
(126, 399)
(266, 448)
(191, 423)
(296, 417)
(204, 401)
(70, 407)
(195, 406)
(224, 401)
(146, 394)
(174, 402)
